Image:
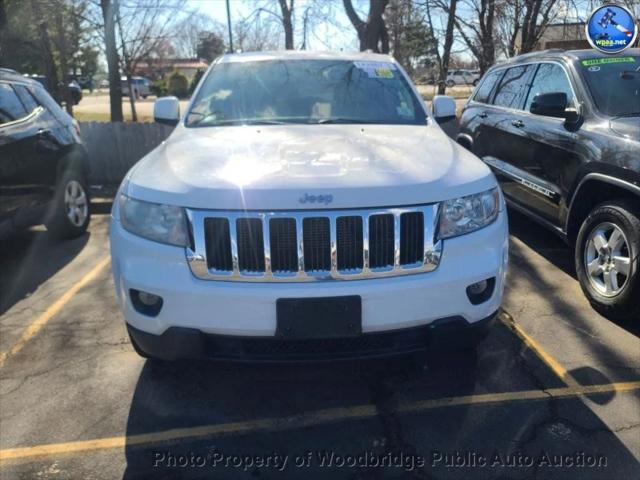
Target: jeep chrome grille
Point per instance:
(313, 245)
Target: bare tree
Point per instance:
(477, 29)
(448, 43)
(373, 33)
(537, 15)
(190, 33)
(508, 25)
(51, 71)
(254, 34)
(143, 27)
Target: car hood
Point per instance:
(306, 167)
(627, 127)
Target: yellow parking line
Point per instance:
(33, 329)
(551, 362)
(299, 421)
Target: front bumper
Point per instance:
(249, 309)
(188, 343)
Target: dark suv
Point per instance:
(43, 164)
(561, 131)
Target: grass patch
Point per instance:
(106, 117)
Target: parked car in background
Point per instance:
(561, 130)
(462, 77)
(141, 87)
(76, 91)
(334, 219)
(43, 163)
(103, 83)
(73, 87)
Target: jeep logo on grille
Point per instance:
(326, 199)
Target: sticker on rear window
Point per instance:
(376, 69)
(605, 61)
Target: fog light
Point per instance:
(477, 288)
(146, 303)
(148, 298)
(481, 291)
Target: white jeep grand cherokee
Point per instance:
(307, 206)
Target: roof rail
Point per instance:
(538, 53)
(8, 70)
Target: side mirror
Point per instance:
(549, 104)
(166, 110)
(443, 108)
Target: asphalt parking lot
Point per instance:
(553, 392)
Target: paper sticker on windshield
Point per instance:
(605, 61)
(376, 69)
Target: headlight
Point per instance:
(154, 221)
(467, 214)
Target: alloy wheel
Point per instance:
(75, 202)
(607, 259)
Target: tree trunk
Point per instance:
(448, 43)
(488, 44)
(64, 62)
(115, 89)
(373, 33)
(287, 23)
(128, 71)
(132, 98)
(47, 53)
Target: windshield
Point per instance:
(305, 91)
(614, 83)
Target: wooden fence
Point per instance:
(115, 147)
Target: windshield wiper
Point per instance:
(215, 123)
(344, 120)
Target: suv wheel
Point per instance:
(451, 83)
(607, 259)
(70, 217)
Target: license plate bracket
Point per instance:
(319, 317)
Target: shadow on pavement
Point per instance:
(29, 258)
(183, 395)
(543, 241)
(561, 255)
(193, 394)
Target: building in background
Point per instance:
(568, 36)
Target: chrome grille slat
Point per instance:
(250, 241)
(319, 244)
(349, 243)
(381, 254)
(296, 246)
(283, 237)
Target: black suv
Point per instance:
(43, 164)
(561, 131)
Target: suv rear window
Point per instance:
(11, 107)
(484, 90)
(512, 87)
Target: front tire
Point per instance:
(451, 83)
(70, 216)
(607, 259)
